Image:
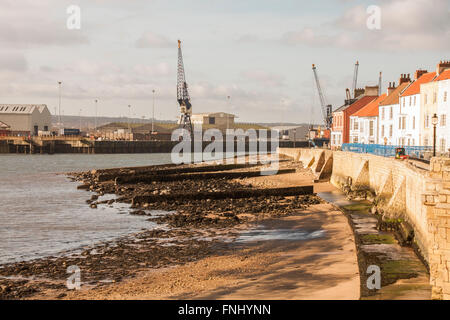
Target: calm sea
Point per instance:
(43, 214)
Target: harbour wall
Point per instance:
(402, 189)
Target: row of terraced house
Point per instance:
(401, 116)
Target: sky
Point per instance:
(258, 52)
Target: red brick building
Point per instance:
(340, 132)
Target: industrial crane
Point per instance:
(183, 95)
(355, 78)
(325, 108)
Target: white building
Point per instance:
(412, 119)
(389, 113)
(443, 111)
(216, 119)
(26, 118)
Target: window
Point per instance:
(442, 145)
(212, 120)
(399, 122)
(427, 121)
(434, 97)
(390, 131)
(404, 101)
(410, 100)
(382, 131)
(355, 125)
(445, 96)
(371, 128)
(414, 123)
(425, 99)
(382, 113)
(425, 141)
(403, 123)
(355, 139)
(361, 127)
(414, 100)
(391, 113)
(443, 120)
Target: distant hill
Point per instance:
(89, 122)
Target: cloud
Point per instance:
(412, 24)
(12, 61)
(264, 78)
(153, 40)
(248, 38)
(29, 24)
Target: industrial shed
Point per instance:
(24, 119)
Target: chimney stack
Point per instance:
(404, 78)
(419, 73)
(371, 91)
(442, 65)
(391, 88)
(358, 92)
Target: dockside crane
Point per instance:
(183, 95)
(325, 108)
(355, 78)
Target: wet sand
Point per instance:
(324, 268)
(321, 268)
(203, 257)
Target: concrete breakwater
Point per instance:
(405, 191)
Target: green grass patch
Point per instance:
(361, 207)
(378, 239)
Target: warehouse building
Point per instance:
(26, 119)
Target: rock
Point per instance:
(93, 172)
(93, 206)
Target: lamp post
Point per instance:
(79, 118)
(129, 119)
(228, 105)
(434, 122)
(59, 102)
(95, 114)
(153, 111)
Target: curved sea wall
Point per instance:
(417, 193)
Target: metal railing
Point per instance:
(385, 151)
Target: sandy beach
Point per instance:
(321, 265)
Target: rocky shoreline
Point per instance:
(190, 230)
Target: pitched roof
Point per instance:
(394, 97)
(445, 75)
(21, 108)
(414, 88)
(371, 109)
(360, 103)
(351, 102)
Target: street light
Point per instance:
(59, 103)
(228, 105)
(95, 114)
(434, 122)
(129, 119)
(153, 111)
